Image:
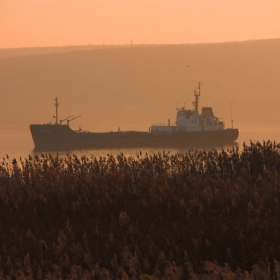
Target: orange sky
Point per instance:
(31, 23)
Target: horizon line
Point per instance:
(140, 44)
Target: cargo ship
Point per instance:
(190, 129)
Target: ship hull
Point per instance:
(61, 137)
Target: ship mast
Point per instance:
(56, 109)
(196, 98)
(231, 115)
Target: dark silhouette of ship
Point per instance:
(190, 128)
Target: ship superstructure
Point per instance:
(188, 120)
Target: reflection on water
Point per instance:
(132, 151)
(18, 145)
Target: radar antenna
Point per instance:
(68, 121)
(65, 119)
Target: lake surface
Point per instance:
(16, 145)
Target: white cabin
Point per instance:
(191, 120)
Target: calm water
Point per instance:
(17, 144)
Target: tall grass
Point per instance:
(153, 215)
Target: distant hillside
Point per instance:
(49, 50)
(40, 51)
(133, 87)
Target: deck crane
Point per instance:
(68, 121)
(65, 119)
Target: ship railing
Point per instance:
(163, 124)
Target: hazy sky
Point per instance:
(30, 23)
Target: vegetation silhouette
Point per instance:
(194, 215)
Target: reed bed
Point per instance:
(195, 215)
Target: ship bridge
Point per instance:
(191, 120)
